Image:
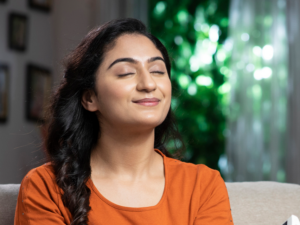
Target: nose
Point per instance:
(146, 82)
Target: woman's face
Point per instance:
(132, 84)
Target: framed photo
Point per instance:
(43, 5)
(4, 76)
(38, 92)
(17, 34)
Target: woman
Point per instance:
(109, 122)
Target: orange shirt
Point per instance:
(193, 195)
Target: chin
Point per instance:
(149, 122)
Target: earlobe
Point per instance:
(89, 101)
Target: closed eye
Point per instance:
(125, 74)
(159, 72)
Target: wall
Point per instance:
(51, 37)
(19, 139)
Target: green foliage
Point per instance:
(194, 32)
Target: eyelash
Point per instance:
(126, 74)
(123, 75)
(159, 72)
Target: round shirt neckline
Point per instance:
(134, 209)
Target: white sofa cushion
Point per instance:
(8, 202)
(263, 203)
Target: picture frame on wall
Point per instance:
(38, 89)
(17, 33)
(42, 5)
(4, 88)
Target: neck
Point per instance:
(124, 154)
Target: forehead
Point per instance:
(133, 45)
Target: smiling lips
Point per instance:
(147, 101)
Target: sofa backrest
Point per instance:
(8, 201)
(263, 203)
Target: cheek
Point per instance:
(114, 91)
(166, 88)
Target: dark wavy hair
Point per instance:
(73, 131)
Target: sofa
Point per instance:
(262, 203)
(255, 203)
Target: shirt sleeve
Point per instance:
(214, 207)
(38, 200)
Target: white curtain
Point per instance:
(293, 140)
(256, 136)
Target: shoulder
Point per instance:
(42, 174)
(199, 178)
(39, 200)
(39, 183)
(39, 186)
(194, 171)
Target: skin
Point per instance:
(125, 168)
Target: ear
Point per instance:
(89, 101)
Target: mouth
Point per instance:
(147, 101)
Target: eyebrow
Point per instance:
(131, 60)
